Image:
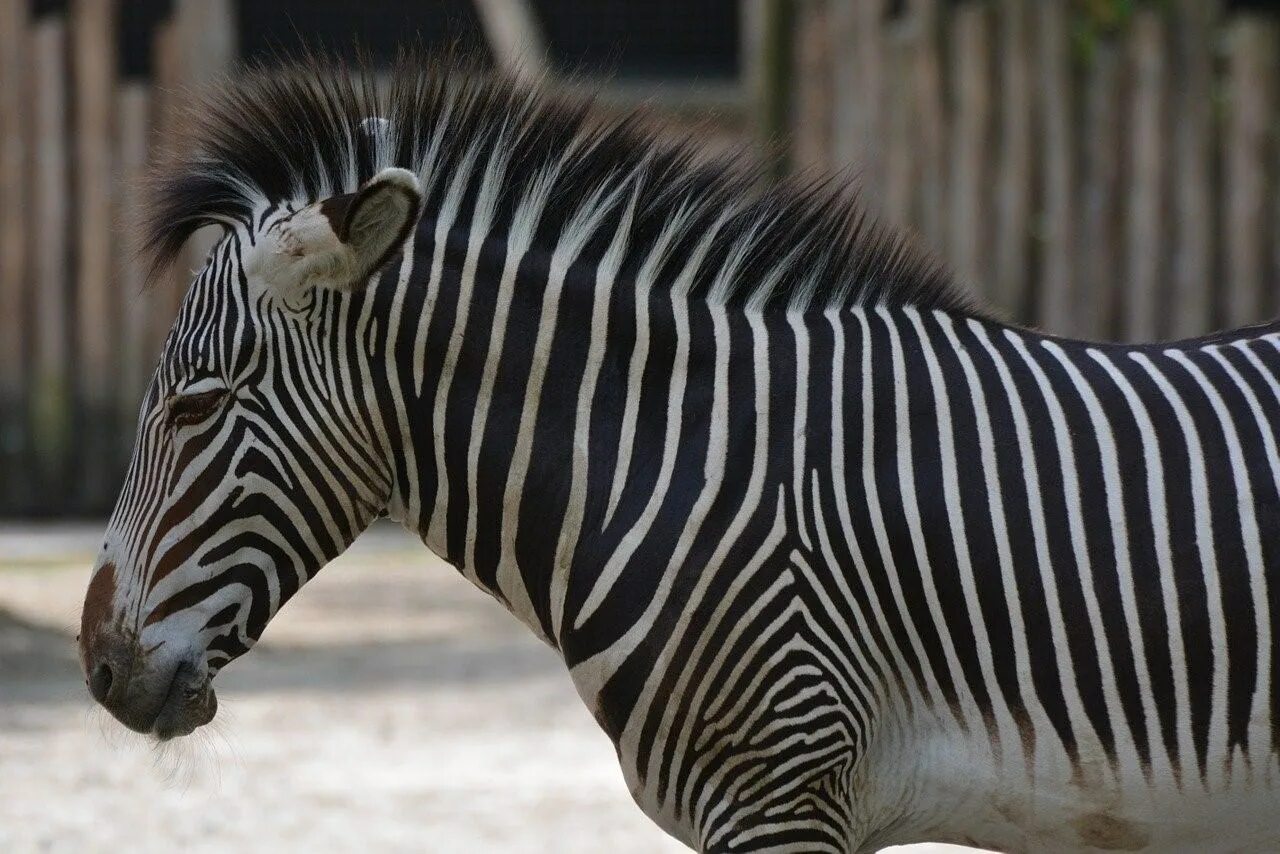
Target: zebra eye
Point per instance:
(189, 409)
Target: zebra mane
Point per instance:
(317, 128)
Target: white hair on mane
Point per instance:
(317, 128)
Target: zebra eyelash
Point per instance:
(186, 410)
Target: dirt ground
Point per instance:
(390, 707)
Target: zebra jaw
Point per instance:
(191, 703)
(338, 243)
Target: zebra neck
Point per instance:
(515, 371)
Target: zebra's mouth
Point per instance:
(190, 703)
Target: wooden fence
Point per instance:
(1101, 168)
(1106, 168)
(78, 336)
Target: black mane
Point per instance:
(302, 133)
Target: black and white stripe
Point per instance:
(835, 560)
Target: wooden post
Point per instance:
(904, 37)
(207, 32)
(167, 47)
(1098, 254)
(859, 87)
(1013, 173)
(970, 142)
(50, 403)
(515, 38)
(752, 16)
(930, 122)
(93, 64)
(138, 350)
(811, 120)
(1146, 301)
(1192, 103)
(1058, 303)
(208, 36)
(191, 48)
(15, 214)
(1251, 51)
(767, 44)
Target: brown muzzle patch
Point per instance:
(97, 603)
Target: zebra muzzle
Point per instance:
(165, 698)
(190, 703)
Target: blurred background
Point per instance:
(1099, 168)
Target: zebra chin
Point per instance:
(187, 704)
(190, 704)
(164, 697)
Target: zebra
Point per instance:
(837, 558)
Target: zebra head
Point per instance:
(252, 466)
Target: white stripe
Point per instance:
(477, 233)
(1126, 753)
(799, 464)
(701, 720)
(392, 369)
(572, 240)
(1208, 562)
(430, 173)
(675, 409)
(935, 701)
(1154, 465)
(840, 488)
(591, 674)
(1010, 738)
(915, 524)
(571, 530)
(1114, 497)
(645, 281)
(999, 528)
(1081, 727)
(1246, 510)
(519, 237)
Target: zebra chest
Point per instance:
(720, 790)
(756, 742)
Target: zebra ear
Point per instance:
(342, 241)
(375, 222)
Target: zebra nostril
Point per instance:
(100, 682)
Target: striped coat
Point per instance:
(834, 557)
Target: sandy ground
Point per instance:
(390, 707)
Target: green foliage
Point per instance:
(1105, 16)
(1095, 21)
